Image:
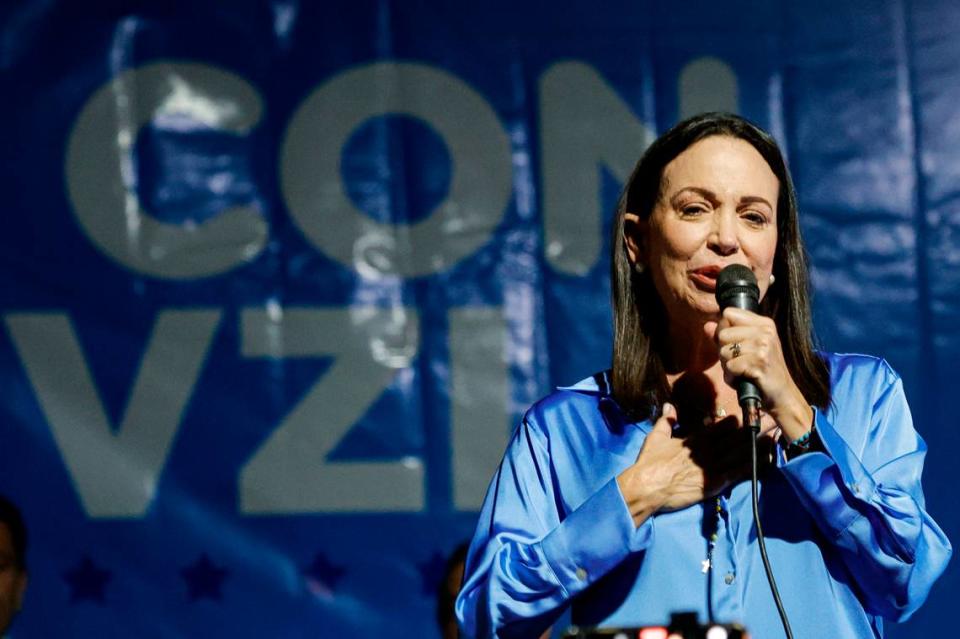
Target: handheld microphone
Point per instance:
(737, 287)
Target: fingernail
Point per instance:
(667, 406)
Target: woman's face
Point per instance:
(717, 206)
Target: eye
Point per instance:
(693, 210)
(754, 218)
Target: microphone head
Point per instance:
(737, 287)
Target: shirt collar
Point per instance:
(596, 384)
(599, 385)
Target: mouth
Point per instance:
(705, 278)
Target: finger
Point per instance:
(738, 360)
(734, 334)
(710, 330)
(740, 462)
(734, 458)
(715, 445)
(733, 350)
(663, 426)
(738, 363)
(750, 358)
(717, 482)
(717, 432)
(734, 455)
(741, 317)
(666, 422)
(744, 368)
(741, 467)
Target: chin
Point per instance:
(691, 314)
(704, 304)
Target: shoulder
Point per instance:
(860, 382)
(582, 398)
(858, 369)
(584, 407)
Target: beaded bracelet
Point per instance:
(800, 445)
(803, 441)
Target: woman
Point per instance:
(624, 495)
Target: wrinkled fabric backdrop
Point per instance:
(278, 278)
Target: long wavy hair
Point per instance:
(639, 319)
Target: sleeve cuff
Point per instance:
(594, 538)
(828, 482)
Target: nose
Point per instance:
(723, 237)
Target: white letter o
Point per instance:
(313, 187)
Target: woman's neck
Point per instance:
(694, 372)
(692, 349)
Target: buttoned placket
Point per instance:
(725, 583)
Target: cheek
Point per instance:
(769, 260)
(763, 259)
(671, 252)
(672, 242)
(669, 279)
(761, 250)
(681, 241)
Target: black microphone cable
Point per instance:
(737, 287)
(751, 417)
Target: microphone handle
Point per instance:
(747, 391)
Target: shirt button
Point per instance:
(581, 574)
(855, 488)
(729, 578)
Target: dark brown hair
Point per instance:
(10, 515)
(639, 320)
(445, 597)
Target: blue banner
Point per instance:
(279, 277)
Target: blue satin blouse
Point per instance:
(848, 537)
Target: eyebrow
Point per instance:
(710, 195)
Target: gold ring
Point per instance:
(735, 350)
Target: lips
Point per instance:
(705, 277)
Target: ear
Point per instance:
(635, 237)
